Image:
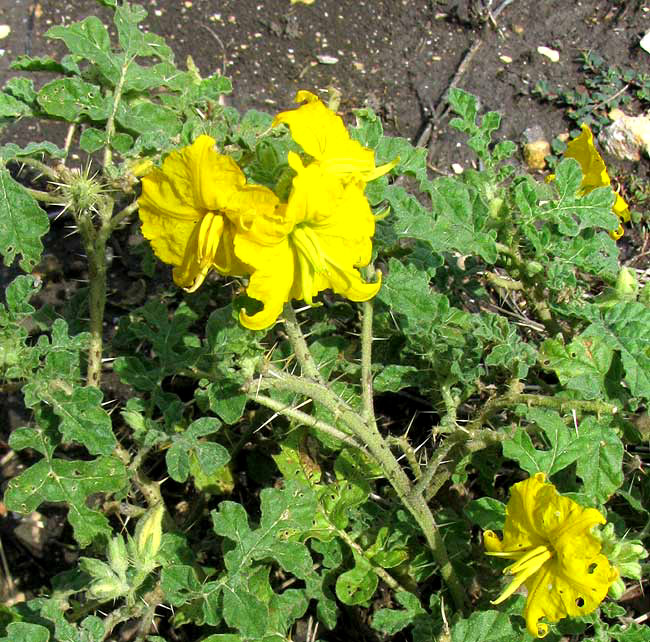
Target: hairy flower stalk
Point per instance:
(556, 556)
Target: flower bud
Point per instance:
(148, 533)
(110, 588)
(627, 286)
(117, 556)
(617, 589)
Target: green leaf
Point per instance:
(89, 39)
(484, 626)
(392, 621)
(11, 107)
(357, 585)
(487, 512)
(242, 610)
(67, 65)
(572, 213)
(24, 632)
(134, 40)
(460, 219)
(59, 480)
(227, 400)
(582, 365)
(22, 223)
(600, 464)
(564, 444)
(71, 98)
(147, 117)
(92, 140)
(210, 455)
(83, 420)
(11, 150)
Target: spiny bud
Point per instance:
(148, 533)
(627, 287)
(117, 556)
(81, 190)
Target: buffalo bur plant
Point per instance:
(349, 387)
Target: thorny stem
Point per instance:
(299, 345)
(45, 197)
(561, 405)
(366, 364)
(378, 448)
(304, 419)
(44, 169)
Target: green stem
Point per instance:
(110, 123)
(299, 345)
(561, 405)
(304, 419)
(44, 169)
(367, 393)
(381, 453)
(123, 214)
(501, 282)
(45, 197)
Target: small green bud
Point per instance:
(533, 268)
(624, 554)
(495, 207)
(617, 589)
(627, 287)
(148, 533)
(108, 589)
(117, 556)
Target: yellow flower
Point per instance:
(594, 173)
(322, 135)
(557, 558)
(317, 241)
(190, 210)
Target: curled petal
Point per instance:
(554, 593)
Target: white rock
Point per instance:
(644, 43)
(457, 168)
(627, 137)
(505, 59)
(551, 54)
(5, 30)
(327, 60)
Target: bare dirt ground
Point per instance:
(396, 56)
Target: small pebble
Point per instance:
(457, 168)
(505, 59)
(535, 154)
(327, 60)
(5, 30)
(551, 54)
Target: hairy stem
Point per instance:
(367, 394)
(299, 345)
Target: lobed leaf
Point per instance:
(22, 223)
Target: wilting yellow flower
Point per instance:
(322, 135)
(557, 558)
(317, 241)
(594, 173)
(190, 210)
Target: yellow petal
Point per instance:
(554, 594)
(200, 252)
(323, 135)
(582, 149)
(271, 285)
